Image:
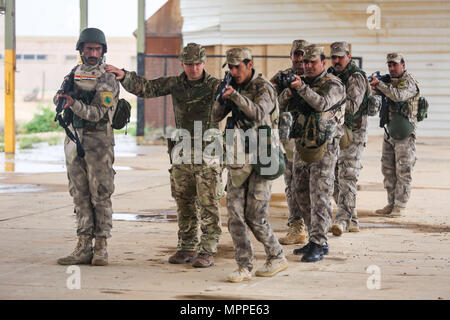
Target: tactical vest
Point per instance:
(85, 82)
(198, 98)
(354, 121)
(312, 128)
(408, 108)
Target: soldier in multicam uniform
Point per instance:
(399, 144)
(193, 184)
(357, 108)
(317, 131)
(91, 179)
(248, 193)
(296, 233)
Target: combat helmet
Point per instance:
(91, 35)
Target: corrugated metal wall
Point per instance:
(418, 29)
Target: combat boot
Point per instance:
(182, 256)
(397, 212)
(314, 253)
(272, 267)
(386, 210)
(296, 233)
(305, 249)
(338, 228)
(203, 260)
(353, 227)
(100, 255)
(82, 253)
(239, 275)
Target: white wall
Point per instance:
(419, 29)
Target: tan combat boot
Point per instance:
(296, 233)
(353, 227)
(272, 267)
(82, 253)
(397, 212)
(337, 228)
(386, 210)
(100, 255)
(182, 256)
(239, 275)
(203, 260)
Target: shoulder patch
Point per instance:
(107, 99)
(402, 84)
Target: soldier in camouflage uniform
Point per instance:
(193, 184)
(349, 161)
(248, 193)
(91, 178)
(317, 130)
(399, 144)
(296, 232)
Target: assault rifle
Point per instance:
(236, 113)
(67, 119)
(384, 110)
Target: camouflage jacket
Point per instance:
(257, 100)
(103, 90)
(357, 89)
(192, 100)
(319, 95)
(403, 96)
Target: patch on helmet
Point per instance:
(107, 99)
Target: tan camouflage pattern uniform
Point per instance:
(349, 163)
(314, 182)
(91, 179)
(399, 156)
(191, 184)
(248, 193)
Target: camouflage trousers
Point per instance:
(294, 212)
(397, 162)
(313, 188)
(91, 184)
(347, 171)
(248, 206)
(197, 189)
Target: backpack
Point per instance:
(122, 114)
(422, 112)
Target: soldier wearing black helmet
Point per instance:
(91, 104)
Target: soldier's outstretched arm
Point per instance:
(106, 97)
(332, 93)
(402, 92)
(144, 88)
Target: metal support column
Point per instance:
(141, 67)
(10, 69)
(83, 14)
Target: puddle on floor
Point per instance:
(20, 188)
(168, 216)
(43, 157)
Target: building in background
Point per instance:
(419, 29)
(163, 43)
